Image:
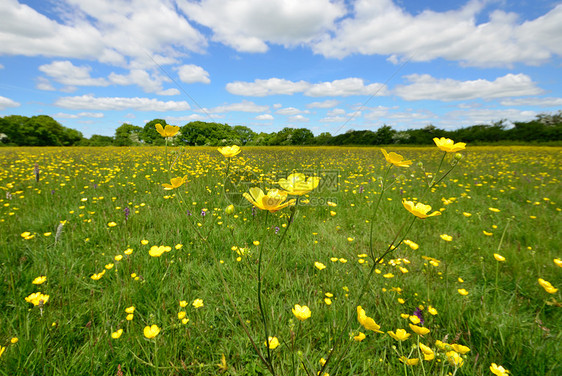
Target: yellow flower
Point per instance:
(400, 335)
(448, 145)
(156, 251)
(97, 276)
(144, 242)
(37, 298)
(432, 310)
(130, 317)
(410, 362)
(499, 257)
(229, 151)
(185, 320)
(130, 309)
(367, 322)
(411, 244)
(446, 237)
(183, 303)
(181, 314)
(14, 340)
(297, 184)
(151, 331)
(396, 159)
(111, 224)
(39, 280)
(487, 233)
(454, 358)
(495, 210)
(109, 266)
(558, 262)
(419, 330)
(229, 209)
(547, 286)
(319, 265)
(169, 131)
(419, 210)
(273, 201)
(197, 303)
(462, 292)
(460, 348)
(466, 214)
(498, 370)
(117, 334)
(273, 342)
(301, 313)
(360, 337)
(428, 353)
(175, 183)
(2, 349)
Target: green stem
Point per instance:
(260, 304)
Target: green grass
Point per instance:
(507, 318)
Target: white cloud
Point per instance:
(66, 73)
(298, 119)
(262, 88)
(244, 106)
(104, 30)
(186, 118)
(62, 115)
(7, 103)
(542, 102)
(427, 87)
(248, 25)
(44, 84)
(290, 111)
(1, 66)
(345, 88)
(465, 118)
(328, 103)
(276, 86)
(264, 117)
(149, 83)
(380, 27)
(193, 73)
(171, 91)
(89, 102)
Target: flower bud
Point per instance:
(420, 164)
(458, 156)
(229, 209)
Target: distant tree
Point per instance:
(384, 135)
(127, 135)
(150, 136)
(322, 139)
(98, 140)
(302, 136)
(245, 134)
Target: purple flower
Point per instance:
(127, 211)
(188, 212)
(360, 189)
(419, 314)
(276, 229)
(203, 213)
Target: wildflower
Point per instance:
(197, 303)
(460, 348)
(151, 331)
(273, 201)
(411, 244)
(428, 353)
(487, 233)
(229, 209)
(144, 242)
(499, 257)
(128, 251)
(117, 334)
(396, 159)
(367, 322)
(301, 312)
(498, 370)
(14, 340)
(463, 292)
(432, 310)
(175, 183)
(419, 330)
(169, 131)
(400, 335)
(448, 145)
(410, 362)
(39, 280)
(495, 210)
(419, 210)
(319, 265)
(466, 214)
(333, 213)
(111, 224)
(130, 317)
(2, 349)
(130, 309)
(359, 337)
(229, 151)
(419, 315)
(156, 251)
(109, 266)
(273, 343)
(547, 286)
(558, 262)
(454, 358)
(97, 276)
(328, 301)
(181, 315)
(256, 242)
(118, 258)
(184, 320)
(446, 237)
(37, 298)
(297, 184)
(183, 303)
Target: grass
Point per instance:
(507, 318)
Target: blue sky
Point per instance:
(325, 65)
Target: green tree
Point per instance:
(127, 135)
(150, 136)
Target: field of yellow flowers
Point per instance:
(281, 261)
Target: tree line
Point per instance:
(43, 130)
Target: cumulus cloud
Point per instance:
(290, 111)
(244, 106)
(298, 119)
(62, 115)
(66, 73)
(328, 103)
(7, 103)
(425, 86)
(193, 73)
(248, 25)
(264, 117)
(90, 102)
(381, 27)
(44, 84)
(103, 30)
(486, 116)
(542, 102)
(277, 86)
(149, 83)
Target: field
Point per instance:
(120, 254)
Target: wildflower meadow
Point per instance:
(441, 260)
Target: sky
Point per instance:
(326, 65)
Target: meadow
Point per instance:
(103, 271)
